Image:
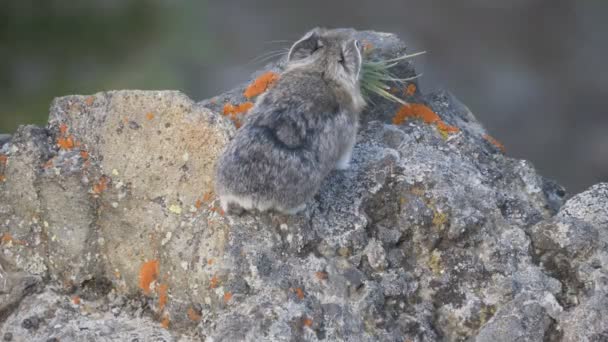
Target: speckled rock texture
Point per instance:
(110, 231)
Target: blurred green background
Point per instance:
(59, 47)
(532, 71)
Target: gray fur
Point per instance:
(298, 131)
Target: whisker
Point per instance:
(278, 41)
(269, 55)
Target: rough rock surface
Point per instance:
(110, 231)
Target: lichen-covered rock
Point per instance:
(432, 234)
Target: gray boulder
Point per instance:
(110, 230)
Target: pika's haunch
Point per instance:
(300, 130)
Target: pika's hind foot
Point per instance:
(231, 208)
(294, 210)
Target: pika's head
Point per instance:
(333, 52)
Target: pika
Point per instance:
(297, 132)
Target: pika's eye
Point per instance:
(358, 44)
(341, 60)
(318, 46)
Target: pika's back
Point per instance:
(298, 131)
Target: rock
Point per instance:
(525, 318)
(4, 138)
(49, 316)
(432, 234)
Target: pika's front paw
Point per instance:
(343, 165)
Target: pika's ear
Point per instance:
(305, 46)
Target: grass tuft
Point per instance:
(376, 77)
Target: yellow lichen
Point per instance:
(175, 208)
(439, 219)
(435, 262)
(417, 190)
(485, 313)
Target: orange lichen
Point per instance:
(208, 196)
(299, 292)
(48, 164)
(261, 84)
(76, 300)
(8, 238)
(3, 162)
(495, 142)
(66, 143)
(410, 90)
(234, 112)
(231, 110)
(198, 204)
(148, 273)
(218, 210)
(445, 130)
(307, 322)
(367, 46)
(162, 296)
(193, 314)
(420, 111)
(101, 185)
(150, 116)
(227, 296)
(89, 100)
(215, 282)
(165, 322)
(321, 275)
(210, 262)
(84, 154)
